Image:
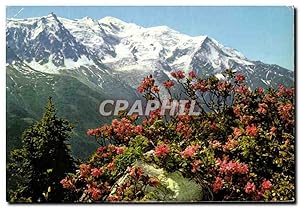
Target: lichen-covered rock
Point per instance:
(174, 187)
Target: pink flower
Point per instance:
(140, 89)
(168, 84)
(250, 188)
(184, 129)
(123, 128)
(95, 193)
(119, 150)
(90, 132)
(155, 89)
(237, 132)
(239, 77)
(189, 151)
(111, 166)
(101, 149)
(147, 82)
(266, 184)
(284, 110)
(243, 169)
(217, 185)
(66, 183)
(162, 150)
(242, 89)
(260, 90)
(93, 132)
(135, 172)
(230, 144)
(192, 74)
(251, 130)
(237, 110)
(200, 85)
(262, 108)
(232, 167)
(138, 129)
(97, 172)
(223, 85)
(178, 74)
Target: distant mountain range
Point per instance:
(81, 62)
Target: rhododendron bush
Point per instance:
(241, 146)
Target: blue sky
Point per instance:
(260, 33)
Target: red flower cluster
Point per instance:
(192, 74)
(262, 108)
(162, 150)
(67, 183)
(283, 91)
(266, 185)
(217, 185)
(102, 131)
(251, 130)
(178, 74)
(189, 151)
(239, 77)
(284, 110)
(184, 129)
(260, 90)
(242, 90)
(155, 89)
(135, 172)
(106, 151)
(147, 82)
(168, 84)
(230, 144)
(125, 128)
(232, 167)
(237, 132)
(237, 110)
(250, 188)
(119, 150)
(184, 118)
(111, 166)
(223, 86)
(200, 85)
(96, 172)
(236, 176)
(94, 191)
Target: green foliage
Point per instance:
(36, 168)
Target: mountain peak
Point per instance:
(87, 20)
(112, 20)
(49, 19)
(51, 16)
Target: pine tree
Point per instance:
(44, 159)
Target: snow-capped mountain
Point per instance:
(80, 62)
(53, 44)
